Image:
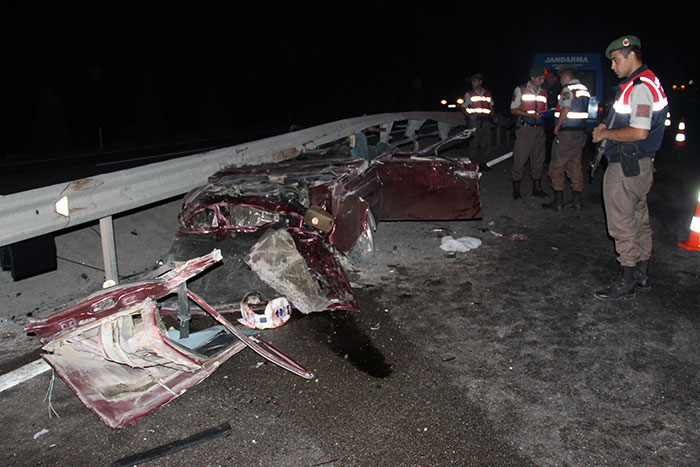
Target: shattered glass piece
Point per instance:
(205, 219)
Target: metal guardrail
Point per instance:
(49, 209)
(52, 208)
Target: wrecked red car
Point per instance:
(319, 207)
(116, 354)
(286, 230)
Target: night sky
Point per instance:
(152, 73)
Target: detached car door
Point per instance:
(427, 188)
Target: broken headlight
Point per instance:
(246, 218)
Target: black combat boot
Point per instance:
(557, 204)
(537, 189)
(621, 287)
(641, 280)
(576, 202)
(516, 190)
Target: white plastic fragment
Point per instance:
(461, 244)
(499, 159)
(40, 433)
(277, 312)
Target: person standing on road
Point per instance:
(569, 140)
(639, 112)
(478, 105)
(529, 101)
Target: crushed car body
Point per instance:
(113, 349)
(287, 229)
(318, 209)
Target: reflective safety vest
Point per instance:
(623, 110)
(578, 113)
(479, 105)
(533, 103)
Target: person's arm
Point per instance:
(562, 116)
(522, 113)
(627, 134)
(515, 101)
(641, 105)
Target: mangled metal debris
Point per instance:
(297, 221)
(113, 349)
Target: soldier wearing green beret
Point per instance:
(633, 134)
(624, 45)
(528, 103)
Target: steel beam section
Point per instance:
(52, 208)
(109, 250)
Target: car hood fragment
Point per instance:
(113, 349)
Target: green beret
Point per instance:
(537, 70)
(621, 43)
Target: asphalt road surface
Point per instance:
(497, 356)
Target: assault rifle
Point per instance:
(599, 149)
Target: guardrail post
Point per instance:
(109, 250)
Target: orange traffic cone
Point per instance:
(693, 242)
(680, 136)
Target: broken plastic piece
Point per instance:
(275, 314)
(495, 161)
